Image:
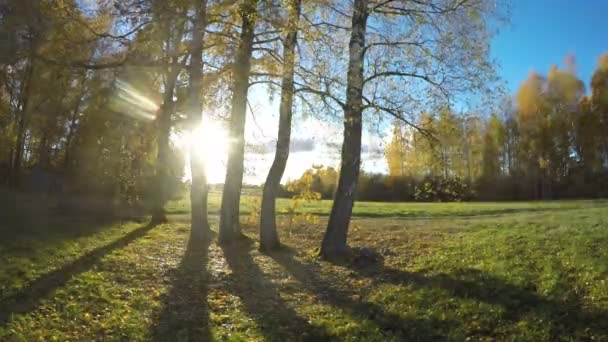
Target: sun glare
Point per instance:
(129, 101)
(211, 141)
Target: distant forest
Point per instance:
(550, 141)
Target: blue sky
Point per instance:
(542, 32)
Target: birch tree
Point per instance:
(198, 190)
(269, 238)
(172, 27)
(399, 50)
(229, 212)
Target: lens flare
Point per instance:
(129, 101)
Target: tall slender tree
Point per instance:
(441, 47)
(198, 190)
(334, 241)
(231, 196)
(173, 35)
(269, 238)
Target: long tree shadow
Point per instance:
(19, 235)
(334, 292)
(567, 316)
(422, 215)
(28, 298)
(276, 319)
(412, 215)
(185, 313)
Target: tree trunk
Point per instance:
(43, 151)
(269, 238)
(334, 241)
(171, 41)
(6, 176)
(231, 196)
(71, 131)
(198, 190)
(21, 127)
(162, 157)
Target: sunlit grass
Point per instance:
(401, 209)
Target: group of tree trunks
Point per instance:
(418, 49)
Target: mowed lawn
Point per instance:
(535, 271)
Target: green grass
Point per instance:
(406, 210)
(531, 271)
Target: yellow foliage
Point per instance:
(603, 62)
(255, 205)
(529, 96)
(303, 194)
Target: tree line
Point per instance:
(548, 141)
(93, 91)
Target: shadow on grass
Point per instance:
(27, 299)
(566, 316)
(424, 215)
(276, 320)
(22, 234)
(335, 293)
(185, 312)
(411, 215)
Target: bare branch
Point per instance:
(395, 73)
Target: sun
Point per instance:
(211, 141)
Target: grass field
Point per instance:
(534, 271)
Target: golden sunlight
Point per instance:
(211, 141)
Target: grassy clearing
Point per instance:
(485, 271)
(405, 210)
